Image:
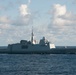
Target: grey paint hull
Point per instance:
(48, 51)
(51, 51)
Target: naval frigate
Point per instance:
(31, 47)
(25, 46)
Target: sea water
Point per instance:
(37, 64)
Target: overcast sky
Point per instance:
(54, 19)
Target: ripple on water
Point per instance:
(37, 64)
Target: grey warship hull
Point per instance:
(52, 51)
(36, 51)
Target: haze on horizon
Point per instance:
(54, 19)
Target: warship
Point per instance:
(25, 46)
(31, 47)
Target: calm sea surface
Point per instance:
(37, 64)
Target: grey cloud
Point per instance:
(4, 20)
(63, 25)
(23, 21)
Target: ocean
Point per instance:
(37, 64)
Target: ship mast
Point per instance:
(32, 36)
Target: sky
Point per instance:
(53, 19)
